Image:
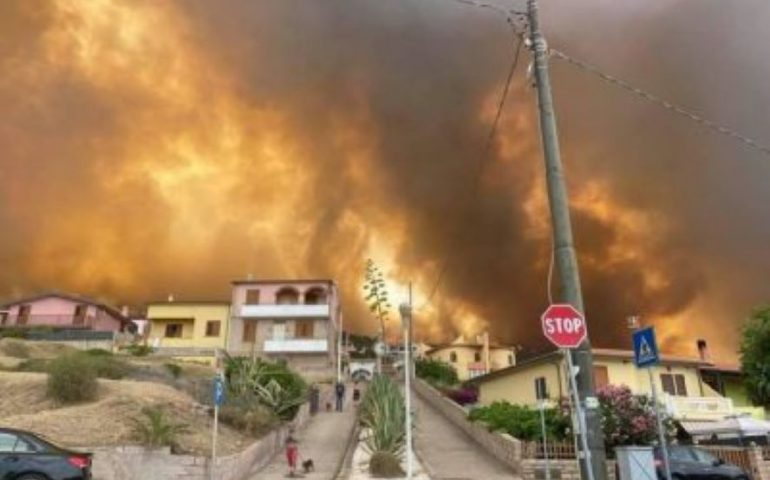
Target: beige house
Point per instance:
(472, 359)
(684, 393)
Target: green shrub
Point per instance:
(436, 372)
(34, 365)
(107, 366)
(174, 369)
(155, 429)
(247, 415)
(139, 350)
(382, 414)
(72, 379)
(273, 385)
(522, 422)
(98, 352)
(13, 332)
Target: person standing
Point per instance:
(339, 391)
(292, 452)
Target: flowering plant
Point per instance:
(628, 419)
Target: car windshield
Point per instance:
(703, 456)
(680, 454)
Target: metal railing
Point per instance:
(736, 455)
(555, 450)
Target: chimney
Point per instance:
(170, 297)
(703, 350)
(124, 311)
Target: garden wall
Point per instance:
(504, 447)
(137, 463)
(534, 469)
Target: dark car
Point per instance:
(26, 456)
(691, 463)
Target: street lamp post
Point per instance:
(406, 320)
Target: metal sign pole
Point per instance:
(218, 398)
(545, 440)
(661, 433)
(581, 417)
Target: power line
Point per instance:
(713, 126)
(483, 158)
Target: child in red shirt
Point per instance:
(292, 452)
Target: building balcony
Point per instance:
(285, 311)
(297, 345)
(698, 408)
(66, 320)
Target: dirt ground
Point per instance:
(107, 421)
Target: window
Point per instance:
(453, 357)
(674, 384)
(287, 296)
(24, 311)
(3, 318)
(477, 357)
(79, 318)
(173, 330)
(13, 443)
(212, 328)
(252, 296)
(249, 332)
(303, 329)
(541, 388)
(315, 296)
(601, 376)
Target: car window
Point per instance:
(680, 454)
(7, 442)
(703, 456)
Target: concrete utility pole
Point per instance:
(564, 250)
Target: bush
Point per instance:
(98, 352)
(13, 332)
(385, 465)
(627, 419)
(382, 413)
(174, 369)
(72, 379)
(522, 422)
(247, 415)
(436, 372)
(34, 365)
(138, 350)
(156, 429)
(462, 396)
(15, 348)
(273, 385)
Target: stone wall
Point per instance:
(504, 447)
(137, 463)
(534, 469)
(760, 463)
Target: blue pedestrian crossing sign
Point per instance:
(645, 348)
(219, 390)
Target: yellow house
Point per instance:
(678, 380)
(473, 359)
(189, 328)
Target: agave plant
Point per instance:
(156, 429)
(382, 415)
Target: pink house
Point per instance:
(60, 310)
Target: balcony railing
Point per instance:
(47, 320)
(284, 311)
(698, 408)
(297, 345)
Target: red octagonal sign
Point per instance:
(564, 326)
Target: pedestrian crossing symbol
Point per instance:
(645, 348)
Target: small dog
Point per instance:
(308, 465)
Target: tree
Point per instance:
(755, 356)
(376, 294)
(628, 419)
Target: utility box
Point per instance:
(635, 463)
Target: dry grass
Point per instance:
(12, 347)
(107, 421)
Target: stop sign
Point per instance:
(564, 326)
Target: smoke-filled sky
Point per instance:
(149, 148)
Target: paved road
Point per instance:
(324, 439)
(448, 453)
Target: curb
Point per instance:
(343, 468)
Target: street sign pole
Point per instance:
(661, 433)
(219, 392)
(545, 440)
(580, 416)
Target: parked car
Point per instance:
(26, 456)
(692, 463)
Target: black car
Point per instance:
(26, 456)
(691, 463)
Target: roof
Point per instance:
(282, 281)
(723, 368)
(555, 355)
(72, 297)
(189, 302)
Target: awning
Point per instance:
(743, 426)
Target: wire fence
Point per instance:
(555, 450)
